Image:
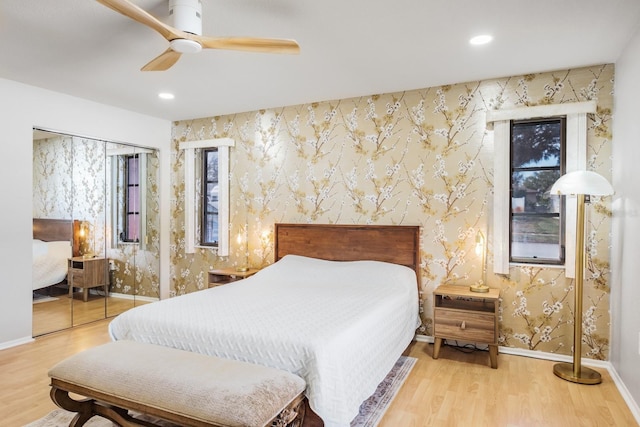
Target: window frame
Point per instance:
(116, 219)
(191, 217)
(204, 168)
(127, 199)
(575, 159)
(561, 215)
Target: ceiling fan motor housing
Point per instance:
(186, 15)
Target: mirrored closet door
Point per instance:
(103, 199)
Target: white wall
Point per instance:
(24, 107)
(625, 283)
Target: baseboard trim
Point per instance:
(624, 391)
(133, 297)
(15, 343)
(626, 395)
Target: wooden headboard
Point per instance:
(398, 244)
(51, 230)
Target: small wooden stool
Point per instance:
(189, 389)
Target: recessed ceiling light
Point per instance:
(166, 95)
(481, 39)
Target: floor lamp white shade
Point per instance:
(579, 183)
(582, 182)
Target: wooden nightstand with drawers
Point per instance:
(460, 314)
(87, 273)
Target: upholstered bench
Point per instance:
(185, 388)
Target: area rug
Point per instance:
(38, 298)
(371, 410)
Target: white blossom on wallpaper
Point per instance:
(416, 157)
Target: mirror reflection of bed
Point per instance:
(52, 247)
(56, 244)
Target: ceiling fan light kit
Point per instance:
(185, 46)
(185, 36)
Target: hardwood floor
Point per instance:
(24, 395)
(458, 389)
(61, 312)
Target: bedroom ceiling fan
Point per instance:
(186, 34)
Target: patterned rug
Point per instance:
(38, 298)
(371, 410)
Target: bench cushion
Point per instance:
(201, 387)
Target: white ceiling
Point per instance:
(348, 48)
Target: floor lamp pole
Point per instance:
(567, 371)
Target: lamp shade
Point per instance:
(582, 182)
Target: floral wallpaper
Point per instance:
(69, 183)
(416, 157)
(71, 180)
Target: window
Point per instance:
(127, 202)
(131, 229)
(209, 201)
(537, 161)
(206, 207)
(528, 173)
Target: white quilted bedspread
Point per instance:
(49, 263)
(339, 325)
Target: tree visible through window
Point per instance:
(209, 202)
(537, 161)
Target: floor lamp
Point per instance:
(579, 183)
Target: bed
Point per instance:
(52, 247)
(338, 307)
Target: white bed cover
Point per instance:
(339, 325)
(49, 262)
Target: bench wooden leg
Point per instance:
(87, 408)
(293, 415)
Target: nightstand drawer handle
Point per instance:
(463, 326)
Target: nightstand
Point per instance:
(87, 273)
(460, 314)
(228, 275)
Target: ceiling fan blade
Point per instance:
(249, 44)
(163, 62)
(137, 14)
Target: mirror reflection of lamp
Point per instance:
(86, 248)
(481, 251)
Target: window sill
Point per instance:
(551, 266)
(206, 247)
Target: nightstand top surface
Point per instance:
(82, 258)
(234, 272)
(464, 291)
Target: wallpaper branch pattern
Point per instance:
(416, 157)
